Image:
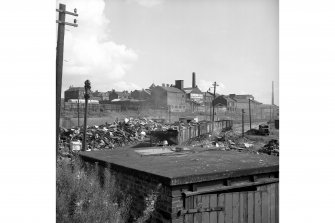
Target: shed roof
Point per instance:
(198, 165)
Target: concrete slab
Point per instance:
(196, 165)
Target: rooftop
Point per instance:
(194, 165)
(171, 89)
(76, 89)
(192, 90)
(243, 100)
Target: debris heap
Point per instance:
(272, 148)
(107, 136)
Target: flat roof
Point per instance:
(193, 166)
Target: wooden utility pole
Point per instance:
(273, 99)
(169, 110)
(242, 122)
(213, 115)
(249, 114)
(78, 109)
(87, 96)
(210, 111)
(59, 61)
(213, 100)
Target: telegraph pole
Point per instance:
(249, 114)
(78, 109)
(59, 60)
(242, 122)
(87, 96)
(170, 113)
(215, 85)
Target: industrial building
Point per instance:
(74, 93)
(170, 98)
(194, 93)
(118, 95)
(225, 103)
(143, 94)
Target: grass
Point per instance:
(82, 197)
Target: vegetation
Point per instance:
(82, 197)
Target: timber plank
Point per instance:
(243, 207)
(197, 204)
(205, 204)
(277, 202)
(228, 208)
(258, 207)
(221, 202)
(236, 208)
(213, 202)
(189, 205)
(272, 203)
(265, 207)
(269, 200)
(250, 207)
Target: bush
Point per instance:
(82, 198)
(83, 195)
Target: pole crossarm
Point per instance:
(67, 23)
(66, 12)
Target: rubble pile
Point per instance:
(272, 148)
(107, 136)
(205, 141)
(112, 135)
(232, 140)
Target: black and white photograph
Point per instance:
(167, 111)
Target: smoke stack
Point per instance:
(179, 84)
(273, 102)
(193, 80)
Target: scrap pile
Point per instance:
(225, 140)
(272, 148)
(205, 141)
(107, 136)
(110, 136)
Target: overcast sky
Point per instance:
(130, 44)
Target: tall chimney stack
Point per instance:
(273, 102)
(193, 80)
(179, 84)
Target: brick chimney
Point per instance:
(193, 80)
(179, 84)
